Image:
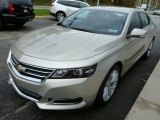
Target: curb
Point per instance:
(147, 105)
(41, 7)
(45, 16)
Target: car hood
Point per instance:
(63, 44)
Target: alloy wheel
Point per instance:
(60, 16)
(110, 85)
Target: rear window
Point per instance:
(74, 4)
(4, 2)
(21, 1)
(69, 3)
(63, 2)
(83, 5)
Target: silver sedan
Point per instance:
(80, 60)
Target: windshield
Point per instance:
(96, 21)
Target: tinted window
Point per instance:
(83, 5)
(96, 21)
(135, 23)
(21, 1)
(69, 3)
(149, 19)
(63, 2)
(4, 3)
(144, 20)
(74, 4)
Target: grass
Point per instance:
(41, 12)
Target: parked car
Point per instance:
(80, 60)
(15, 12)
(62, 8)
(156, 12)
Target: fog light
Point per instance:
(64, 101)
(50, 100)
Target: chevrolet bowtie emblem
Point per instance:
(20, 68)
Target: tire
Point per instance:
(108, 86)
(60, 16)
(147, 54)
(20, 24)
(1, 24)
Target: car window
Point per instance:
(74, 4)
(149, 19)
(21, 1)
(135, 23)
(4, 3)
(62, 2)
(144, 20)
(83, 5)
(69, 3)
(96, 21)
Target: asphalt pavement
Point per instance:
(15, 107)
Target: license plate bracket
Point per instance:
(25, 10)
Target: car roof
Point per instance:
(113, 8)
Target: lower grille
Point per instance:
(65, 101)
(29, 93)
(30, 71)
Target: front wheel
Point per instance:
(108, 86)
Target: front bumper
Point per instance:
(46, 93)
(48, 106)
(53, 14)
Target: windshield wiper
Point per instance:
(81, 29)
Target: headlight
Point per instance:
(74, 73)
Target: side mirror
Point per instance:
(138, 33)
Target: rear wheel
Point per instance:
(108, 86)
(147, 54)
(60, 16)
(0, 24)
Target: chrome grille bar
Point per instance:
(31, 71)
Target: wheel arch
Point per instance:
(120, 65)
(154, 38)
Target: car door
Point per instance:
(134, 46)
(146, 25)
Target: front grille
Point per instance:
(30, 71)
